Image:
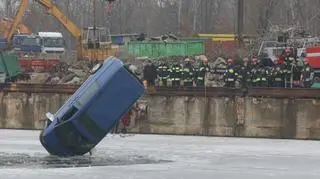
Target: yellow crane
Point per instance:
(92, 42)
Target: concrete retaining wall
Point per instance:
(242, 117)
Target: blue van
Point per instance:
(92, 111)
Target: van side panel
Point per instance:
(119, 94)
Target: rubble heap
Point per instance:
(77, 72)
(63, 73)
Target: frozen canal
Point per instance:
(155, 157)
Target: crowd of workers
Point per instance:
(177, 74)
(255, 73)
(247, 73)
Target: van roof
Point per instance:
(50, 34)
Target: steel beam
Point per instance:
(160, 91)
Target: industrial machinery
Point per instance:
(5, 25)
(92, 111)
(92, 42)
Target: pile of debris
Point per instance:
(76, 73)
(63, 73)
(165, 37)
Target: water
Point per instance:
(151, 156)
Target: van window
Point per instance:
(88, 94)
(72, 111)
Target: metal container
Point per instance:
(9, 64)
(165, 49)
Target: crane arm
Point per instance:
(8, 33)
(63, 19)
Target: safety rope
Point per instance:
(205, 89)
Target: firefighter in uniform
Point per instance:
(254, 71)
(245, 73)
(290, 66)
(188, 74)
(201, 73)
(263, 76)
(163, 73)
(176, 75)
(289, 56)
(230, 76)
(296, 74)
(277, 75)
(307, 74)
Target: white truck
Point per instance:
(52, 42)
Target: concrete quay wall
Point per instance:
(208, 116)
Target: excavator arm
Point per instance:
(63, 19)
(52, 9)
(8, 33)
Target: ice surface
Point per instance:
(155, 157)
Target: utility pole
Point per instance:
(240, 21)
(94, 18)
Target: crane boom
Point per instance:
(63, 19)
(52, 9)
(24, 4)
(99, 51)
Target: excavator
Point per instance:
(92, 42)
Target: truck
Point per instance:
(52, 42)
(93, 43)
(41, 42)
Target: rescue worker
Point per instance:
(278, 75)
(230, 76)
(254, 72)
(125, 121)
(292, 74)
(245, 73)
(163, 73)
(176, 75)
(150, 74)
(307, 74)
(289, 57)
(260, 76)
(296, 75)
(188, 73)
(201, 73)
(289, 62)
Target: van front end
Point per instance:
(65, 139)
(50, 141)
